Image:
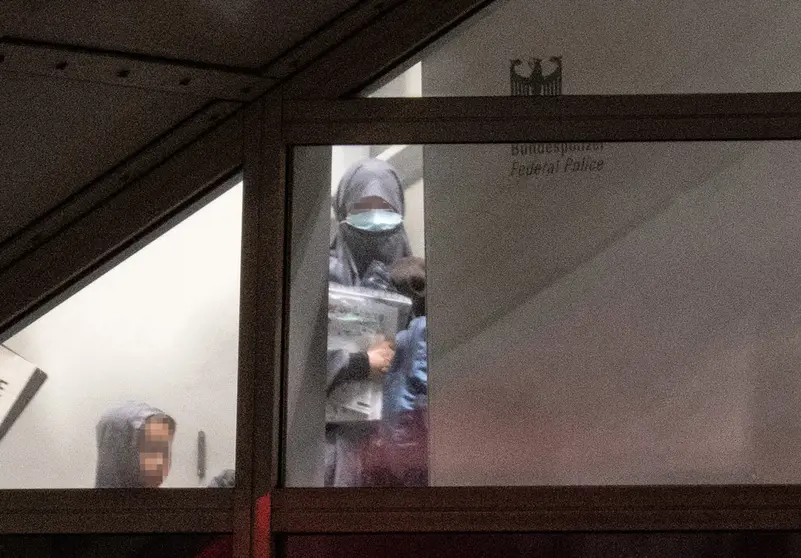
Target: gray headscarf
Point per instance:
(353, 250)
(118, 435)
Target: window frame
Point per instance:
(474, 120)
(262, 140)
(65, 263)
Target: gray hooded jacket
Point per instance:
(118, 435)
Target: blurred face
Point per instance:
(154, 452)
(370, 202)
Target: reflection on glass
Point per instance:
(138, 363)
(538, 47)
(601, 313)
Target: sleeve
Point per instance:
(346, 367)
(418, 380)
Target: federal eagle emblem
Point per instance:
(536, 83)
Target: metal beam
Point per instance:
(525, 119)
(529, 509)
(261, 316)
(388, 41)
(347, 24)
(127, 70)
(116, 510)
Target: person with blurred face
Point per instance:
(134, 443)
(369, 206)
(370, 238)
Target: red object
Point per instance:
(261, 533)
(222, 547)
(397, 452)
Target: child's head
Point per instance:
(408, 276)
(155, 445)
(133, 446)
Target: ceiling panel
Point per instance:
(238, 33)
(58, 135)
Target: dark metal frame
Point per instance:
(513, 119)
(261, 318)
(726, 117)
(528, 509)
(116, 511)
(67, 253)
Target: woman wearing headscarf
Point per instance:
(370, 238)
(369, 208)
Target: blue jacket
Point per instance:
(406, 382)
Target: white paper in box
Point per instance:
(357, 318)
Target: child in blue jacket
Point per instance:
(398, 453)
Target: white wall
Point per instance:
(624, 47)
(161, 327)
(414, 222)
(407, 84)
(666, 352)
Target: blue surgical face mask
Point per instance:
(375, 220)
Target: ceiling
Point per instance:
(235, 33)
(86, 86)
(59, 135)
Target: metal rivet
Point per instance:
(123, 73)
(61, 65)
(185, 81)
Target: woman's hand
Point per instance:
(380, 356)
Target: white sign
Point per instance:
(19, 381)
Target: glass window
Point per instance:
(358, 281)
(534, 47)
(131, 381)
(596, 314)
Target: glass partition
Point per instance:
(537, 47)
(131, 382)
(594, 314)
